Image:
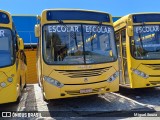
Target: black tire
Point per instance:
(25, 85)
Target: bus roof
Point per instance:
(75, 14)
(68, 9)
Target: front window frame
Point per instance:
(81, 24)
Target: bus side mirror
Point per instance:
(37, 30)
(21, 44)
(130, 30)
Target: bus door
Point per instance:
(122, 56)
(119, 51)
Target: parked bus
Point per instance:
(12, 61)
(76, 53)
(138, 44)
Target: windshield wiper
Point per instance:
(140, 38)
(92, 36)
(139, 35)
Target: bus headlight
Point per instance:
(53, 81)
(10, 79)
(113, 77)
(140, 73)
(3, 84)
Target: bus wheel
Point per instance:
(25, 85)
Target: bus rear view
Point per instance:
(76, 53)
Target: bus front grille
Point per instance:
(154, 75)
(84, 73)
(153, 66)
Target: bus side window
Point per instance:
(117, 37)
(133, 47)
(123, 35)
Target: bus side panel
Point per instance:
(8, 94)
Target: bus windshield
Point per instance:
(6, 48)
(146, 42)
(78, 44)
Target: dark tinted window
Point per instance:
(77, 15)
(4, 18)
(146, 18)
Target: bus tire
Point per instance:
(25, 85)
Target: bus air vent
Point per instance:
(84, 73)
(153, 66)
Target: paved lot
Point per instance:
(116, 105)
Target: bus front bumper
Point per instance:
(53, 92)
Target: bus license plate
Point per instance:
(89, 90)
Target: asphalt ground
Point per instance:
(125, 104)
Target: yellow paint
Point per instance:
(150, 67)
(17, 72)
(98, 84)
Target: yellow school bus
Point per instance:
(12, 61)
(76, 53)
(138, 43)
